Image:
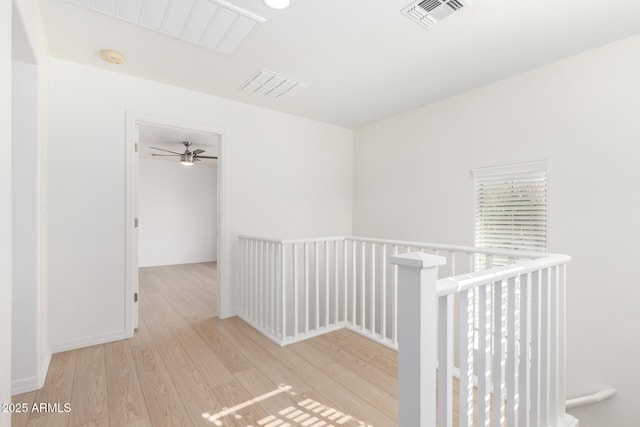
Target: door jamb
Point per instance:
(131, 183)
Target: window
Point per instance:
(510, 213)
(510, 209)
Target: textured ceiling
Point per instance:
(364, 60)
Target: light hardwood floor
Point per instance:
(185, 367)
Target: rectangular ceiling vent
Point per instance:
(267, 83)
(213, 24)
(429, 12)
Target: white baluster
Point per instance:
(249, 278)
(283, 290)
(465, 320)
(524, 381)
(511, 378)
(372, 316)
(346, 281)
(264, 300)
(554, 417)
(306, 289)
(498, 355)
(296, 302)
(544, 347)
(394, 337)
(272, 292)
(336, 284)
(260, 299)
(245, 281)
(445, 361)
(327, 292)
(536, 314)
(484, 355)
(384, 293)
(452, 264)
(272, 263)
(363, 307)
(562, 336)
(316, 268)
(354, 270)
(262, 305)
(254, 287)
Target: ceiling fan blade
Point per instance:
(206, 157)
(167, 155)
(162, 149)
(198, 151)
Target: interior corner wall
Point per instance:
(25, 227)
(177, 211)
(412, 181)
(31, 331)
(5, 209)
(276, 183)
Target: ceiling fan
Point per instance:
(188, 157)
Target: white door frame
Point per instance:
(133, 119)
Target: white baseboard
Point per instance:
(178, 262)
(88, 341)
(372, 336)
(313, 333)
(226, 314)
(26, 385)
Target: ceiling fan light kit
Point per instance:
(188, 158)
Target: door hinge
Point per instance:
(135, 297)
(136, 147)
(135, 222)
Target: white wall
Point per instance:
(412, 181)
(25, 223)
(5, 209)
(31, 353)
(177, 209)
(284, 176)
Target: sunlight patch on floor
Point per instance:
(308, 413)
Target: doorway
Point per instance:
(173, 214)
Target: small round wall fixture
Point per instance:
(112, 57)
(278, 4)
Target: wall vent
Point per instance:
(429, 12)
(268, 83)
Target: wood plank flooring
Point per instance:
(185, 367)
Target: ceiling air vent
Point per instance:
(429, 12)
(267, 83)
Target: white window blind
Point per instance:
(510, 213)
(511, 208)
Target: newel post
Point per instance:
(417, 338)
